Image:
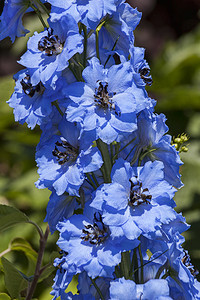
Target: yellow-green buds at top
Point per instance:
(179, 142)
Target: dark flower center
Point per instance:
(29, 89)
(187, 262)
(65, 152)
(145, 75)
(50, 44)
(138, 195)
(97, 233)
(102, 97)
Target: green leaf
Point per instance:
(10, 216)
(4, 296)
(46, 273)
(19, 244)
(53, 256)
(14, 281)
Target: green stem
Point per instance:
(135, 272)
(136, 154)
(90, 33)
(74, 67)
(97, 37)
(95, 180)
(98, 289)
(107, 165)
(160, 270)
(120, 150)
(85, 46)
(141, 264)
(125, 264)
(131, 267)
(111, 151)
(113, 48)
(39, 15)
(131, 152)
(165, 276)
(91, 181)
(55, 103)
(39, 230)
(118, 272)
(97, 44)
(41, 6)
(150, 261)
(74, 73)
(37, 274)
(117, 147)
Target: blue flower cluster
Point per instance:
(104, 153)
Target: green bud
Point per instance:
(184, 138)
(184, 149)
(177, 140)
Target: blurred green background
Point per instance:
(170, 32)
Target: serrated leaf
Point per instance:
(14, 281)
(4, 296)
(10, 216)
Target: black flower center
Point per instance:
(138, 195)
(187, 262)
(65, 152)
(29, 89)
(102, 97)
(97, 233)
(145, 75)
(50, 44)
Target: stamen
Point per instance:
(187, 262)
(138, 195)
(70, 153)
(29, 89)
(145, 75)
(103, 98)
(50, 44)
(97, 233)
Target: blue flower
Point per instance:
(142, 75)
(89, 244)
(63, 277)
(170, 260)
(49, 51)
(182, 275)
(104, 104)
(11, 19)
(32, 103)
(150, 142)
(137, 201)
(63, 162)
(88, 12)
(154, 289)
(86, 287)
(118, 28)
(59, 207)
